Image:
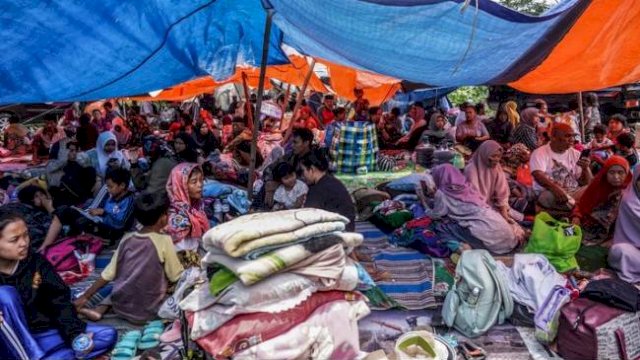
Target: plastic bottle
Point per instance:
(475, 295)
(458, 161)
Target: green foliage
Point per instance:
(531, 7)
(474, 94)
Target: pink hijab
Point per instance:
(187, 218)
(490, 182)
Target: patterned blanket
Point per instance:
(246, 233)
(252, 271)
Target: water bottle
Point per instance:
(81, 345)
(475, 295)
(458, 161)
(217, 210)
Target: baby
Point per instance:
(292, 192)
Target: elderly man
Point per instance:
(560, 173)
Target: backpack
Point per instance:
(479, 298)
(61, 255)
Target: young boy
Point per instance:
(141, 268)
(109, 220)
(626, 147)
(292, 192)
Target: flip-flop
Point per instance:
(151, 335)
(127, 347)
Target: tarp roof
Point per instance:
(343, 80)
(79, 50)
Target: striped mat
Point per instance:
(410, 274)
(78, 288)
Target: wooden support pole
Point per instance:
(256, 116)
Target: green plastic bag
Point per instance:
(558, 241)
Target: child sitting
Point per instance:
(600, 142)
(292, 192)
(141, 268)
(108, 220)
(626, 148)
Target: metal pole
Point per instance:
(299, 100)
(256, 116)
(582, 119)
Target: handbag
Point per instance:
(558, 241)
(591, 330)
(613, 292)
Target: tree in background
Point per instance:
(475, 94)
(531, 7)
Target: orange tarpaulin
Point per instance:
(580, 63)
(377, 88)
(293, 73)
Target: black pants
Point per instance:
(81, 224)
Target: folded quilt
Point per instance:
(249, 232)
(207, 320)
(246, 330)
(275, 294)
(277, 289)
(252, 271)
(331, 332)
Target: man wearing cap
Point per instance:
(559, 171)
(325, 112)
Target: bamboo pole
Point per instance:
(247, 104)
(296, 108)
(582, 119)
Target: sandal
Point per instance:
(151, 335)
(471, 351)
(127, 347)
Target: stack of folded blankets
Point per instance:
(281, 286)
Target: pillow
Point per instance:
(408, 183)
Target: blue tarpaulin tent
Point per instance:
(72, 50)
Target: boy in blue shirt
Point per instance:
(110, 220)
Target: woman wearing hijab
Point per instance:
(439, 134)
(500, 128)
(485, 173)
(204, 139)
(187, 219)
(624, 255)
(106, 154)
(511, 108)
(464, 215)
(597, 212)
(185, 148)
(515, 165)
(122, 133)
(525, 133)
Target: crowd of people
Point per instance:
(139, 186)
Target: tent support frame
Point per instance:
(256, 116)
(582, 119)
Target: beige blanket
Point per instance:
(253, 231)
(328, 252)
